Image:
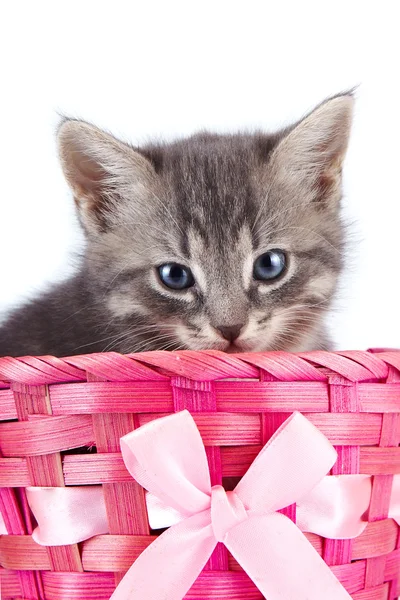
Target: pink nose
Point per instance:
(232, 332)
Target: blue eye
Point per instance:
(175, 276)
(270, 265)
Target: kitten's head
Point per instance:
(231, 242)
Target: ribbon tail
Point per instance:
(280, 560)
(167, 569)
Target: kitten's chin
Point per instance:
(237, 347)
(232, 349)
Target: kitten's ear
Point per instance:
(310, 156)
(101, 171)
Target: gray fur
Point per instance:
(210, 202)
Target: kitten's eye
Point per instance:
(270, 265)
(175, 276)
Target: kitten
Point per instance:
(229, 242)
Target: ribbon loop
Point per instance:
(169, 450)
(227, 511)
(289, 466)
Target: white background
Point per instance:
(166, 68)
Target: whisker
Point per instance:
(132, 334)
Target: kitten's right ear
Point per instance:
(102, 172)
(308, 160)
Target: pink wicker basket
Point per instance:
(51, 409)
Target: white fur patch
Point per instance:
(123, 305)
(321, 286)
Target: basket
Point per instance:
(62, 419)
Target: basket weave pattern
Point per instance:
(49, 406)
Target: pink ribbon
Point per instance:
(3, 528)
(167, 457)
(335, 509)
(67, 515)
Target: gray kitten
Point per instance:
(230, 242)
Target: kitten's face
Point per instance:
(225, 242)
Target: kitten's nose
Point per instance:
(232, 332)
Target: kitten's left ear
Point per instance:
(103, 174)
(309, 158)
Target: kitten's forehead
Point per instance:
(210, 181)
(201, 247)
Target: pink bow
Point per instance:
(167, 457)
